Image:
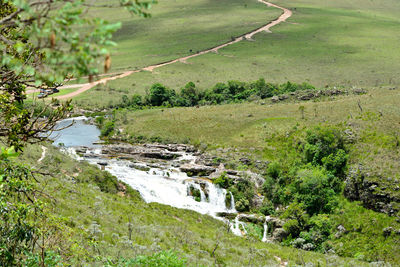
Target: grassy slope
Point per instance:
(155, 226)
(177, 27)
(331, 43)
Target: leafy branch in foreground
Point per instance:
(42, 44)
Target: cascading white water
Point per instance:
(237, 227)
(232, 208)
(190, 184)
(168, 187)
(264, 239)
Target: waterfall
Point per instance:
(155, 185)
(198, 187)
(235, 227)
(232, 203)
(264, 239)
(217, 196)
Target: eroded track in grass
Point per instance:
(266, 28)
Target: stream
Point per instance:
(157, 180)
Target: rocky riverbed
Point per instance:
(181, 176)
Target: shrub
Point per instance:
(274, 170)
(167, 258)
(292, 227)
(107, 129)
(336, 162)
(125, 101)
(104, 180)
(262, 89)
(99, 120)
(243, 192)
(159, 95)
(223, 181)
(267, 208)
(137, 100)
(312, 188)
(189, 95)
(163, 259)
(324, 146)
(242, 204)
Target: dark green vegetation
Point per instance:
(221, 93)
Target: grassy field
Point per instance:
(246, 125)
(351, 43)
(176, 27)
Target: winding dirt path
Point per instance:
(87, 86)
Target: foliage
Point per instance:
(41, 49)
(313, 188)
(52, 258)
(18, 207)
(243, 192)
(189, 95)
(160, 95)
(324, 146)
(274, 170)
(167, 258)
(107, 128)
(220, 93)
(223, 181)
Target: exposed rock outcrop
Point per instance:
(370, 190)
(197, 170)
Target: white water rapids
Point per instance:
(155, 183)
(166, 186)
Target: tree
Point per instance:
(159, 95)
(41, 48)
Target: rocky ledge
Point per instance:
(374, 191)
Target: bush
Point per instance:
(242, 204)
(312, 188)
(274, 170)
(223, 181)
(161, 259)
(324, 146)
(189, 95)
(263, 89)
(99, 120)
(243, 192)
(107, 129)
(267, 208)
(137, 100)
(292, 227)
(104, 180)
(159, 95)
(336, 162)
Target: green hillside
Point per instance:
(349, 43)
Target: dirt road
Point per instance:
(87, 86)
